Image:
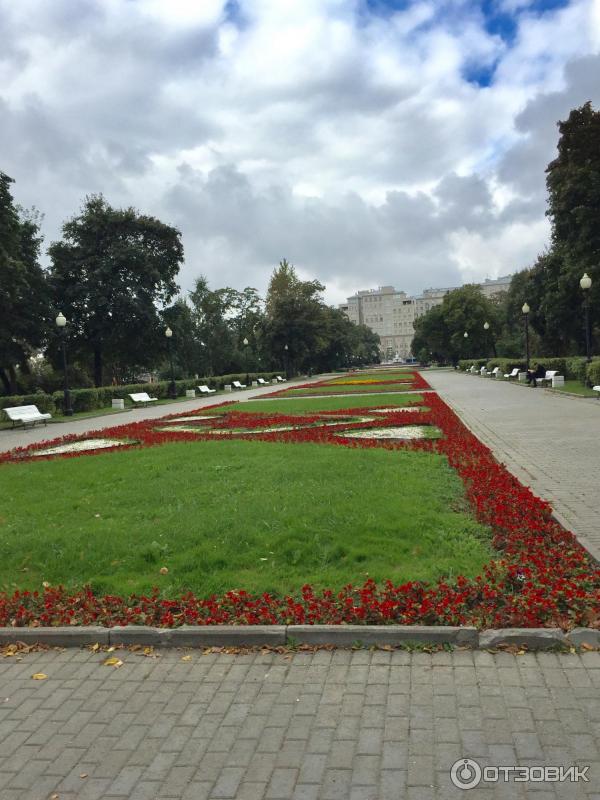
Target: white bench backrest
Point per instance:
(140, 396)
(550, 374)
(236, 383)
(18, 412)
(495, 370)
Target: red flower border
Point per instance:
(542, 576)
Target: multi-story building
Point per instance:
(391, 313)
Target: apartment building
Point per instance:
(392, 314)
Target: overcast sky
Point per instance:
(369, 142)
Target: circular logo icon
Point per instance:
(465, 773)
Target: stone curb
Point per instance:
(347, 635)
(280, 635)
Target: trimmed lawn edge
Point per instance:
(292, 635)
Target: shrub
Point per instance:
(593, 373)
(44, 402)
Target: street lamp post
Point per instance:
(286, 356)
(61, 324)
(586, 285)
(525, 309)
(172, 387)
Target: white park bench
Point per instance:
(205, 390)
(553, 378)
(26, 415)
(262, 381)
(279, 379)
(495, 373)
(513, 374)
(483, 371)
(596, 389)
(142, 398)
(238, 385)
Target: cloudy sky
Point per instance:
(369, 142)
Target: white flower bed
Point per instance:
(394, 409)
(194, 419)
(401, 432)
(79, 447)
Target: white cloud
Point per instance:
(348, 140)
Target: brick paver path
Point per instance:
(341, 725)
(551, 442)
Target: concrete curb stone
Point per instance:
(280, 635)
(67, 636)
(346, 635)
(532, 638)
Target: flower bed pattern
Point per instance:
(412, 381)
(542, 576)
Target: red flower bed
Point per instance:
(415, 379)
(542, 576)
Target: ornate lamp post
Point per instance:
(586, 285)
(525, 309)
(61, 324)
(172, 387)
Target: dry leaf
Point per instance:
(186, 658)
(164, 570)
(95, 647)
(586, 646)
(39, 676)
(83, 775)
(113, 662)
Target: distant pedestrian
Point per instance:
(534, 374)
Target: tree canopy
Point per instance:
(109, 273)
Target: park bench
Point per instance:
(493, 374)
(142, 398)
(513, 374)
(596, 389)
(262, 381)
(483, 371)
(26, 415)
(205, 390)
(553, 378)
(238, 385)
(279, 379)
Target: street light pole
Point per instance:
(172, 387)
(286, 357)
(586, 285)
(525, 309)
(61, 324)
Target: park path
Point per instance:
(20, 437)
(550, 441)
(328, 725)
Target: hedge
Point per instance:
(90, 399)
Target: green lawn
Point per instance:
(365, 388)
(315, 404)
(235, 514)
(575, 387)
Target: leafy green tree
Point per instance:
(24, 298)
(293, 317)
(440, 333)
(573, 181)
(109, 274)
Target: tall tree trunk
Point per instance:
(98, 366)
(12, 379)
(5, 380)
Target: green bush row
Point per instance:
(574, 368)
(90, 399)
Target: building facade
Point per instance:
(392, 314)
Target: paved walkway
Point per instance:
(342, 725)
(551, 442)
(20, 437)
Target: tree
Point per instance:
(109, 273)
(293, 317)
(440, 333)
(23, 289)
(573, 181)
